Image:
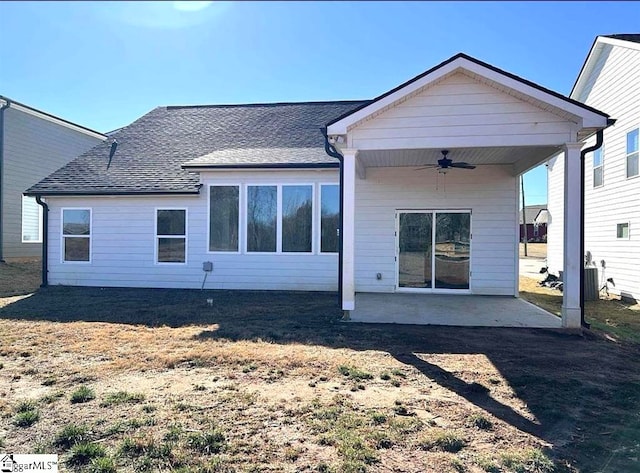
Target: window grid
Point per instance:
(164, 240)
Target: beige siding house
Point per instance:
(609, 80)
(33, 144)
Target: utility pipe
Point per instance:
(45, 240)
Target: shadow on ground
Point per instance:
(583, 390)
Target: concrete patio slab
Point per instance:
(446, 309)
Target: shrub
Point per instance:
(82, 394)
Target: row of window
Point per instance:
(278, 218)
(633, 165)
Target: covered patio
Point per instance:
(430, 193)
(451, 309)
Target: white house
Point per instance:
(609, 80)
(255, 190)
(33, 144)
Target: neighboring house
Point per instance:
(33, 144)
(254, 189)
(609, 80)
(536, 226)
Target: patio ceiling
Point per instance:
(525, 156)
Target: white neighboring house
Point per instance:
(609, 80)
(254, 189)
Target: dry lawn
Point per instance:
(265, 381)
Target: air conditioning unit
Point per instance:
(591, 292)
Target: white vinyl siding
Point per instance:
(463, 109)
(489, 192)
(31, 220)
(123, 229)
(614, 87)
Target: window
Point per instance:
(632, 153)
(224, 207)
(329, 218)
(171, 235)
(297, 219)
(622, 231)
(262, 212)
(598, 161)
(76, 235)
(31, 218)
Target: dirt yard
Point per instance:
(159, 380)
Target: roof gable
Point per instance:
(595, 57)
(480, 71)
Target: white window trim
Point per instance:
(320, 185)
(63, 236)
(279, 193)
(628, 237)
(157, 237)
(39, 240)
(626, 154)
(597, 167)
(240, 229)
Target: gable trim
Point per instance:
(10, 103)
(443, 69)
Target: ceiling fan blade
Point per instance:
(462, 165)
(430, 166)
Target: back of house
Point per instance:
(33, 144)
(609, 80)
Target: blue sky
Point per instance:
(104, 64)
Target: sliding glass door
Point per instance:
(433, 249)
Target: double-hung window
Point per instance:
(171, 235)
(76, 235)
(598, 167)
(632, 153)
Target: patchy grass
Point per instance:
(121, 397)
(19, 278)
(264, 381)
(82, 394)
(609, 316)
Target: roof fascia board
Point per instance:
(213, 167)
(592, 58)
(619, 42)
(589, 117)
(108, 193)
(50, 118)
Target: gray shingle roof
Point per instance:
(152, 150)
(531, 212)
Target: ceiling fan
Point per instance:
(445, 163)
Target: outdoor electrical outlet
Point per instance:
(207, 266)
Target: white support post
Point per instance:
(348, 229)
(573, 260)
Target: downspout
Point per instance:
(45, 240)
(3, 106)
(333, 152)
(583, 153)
